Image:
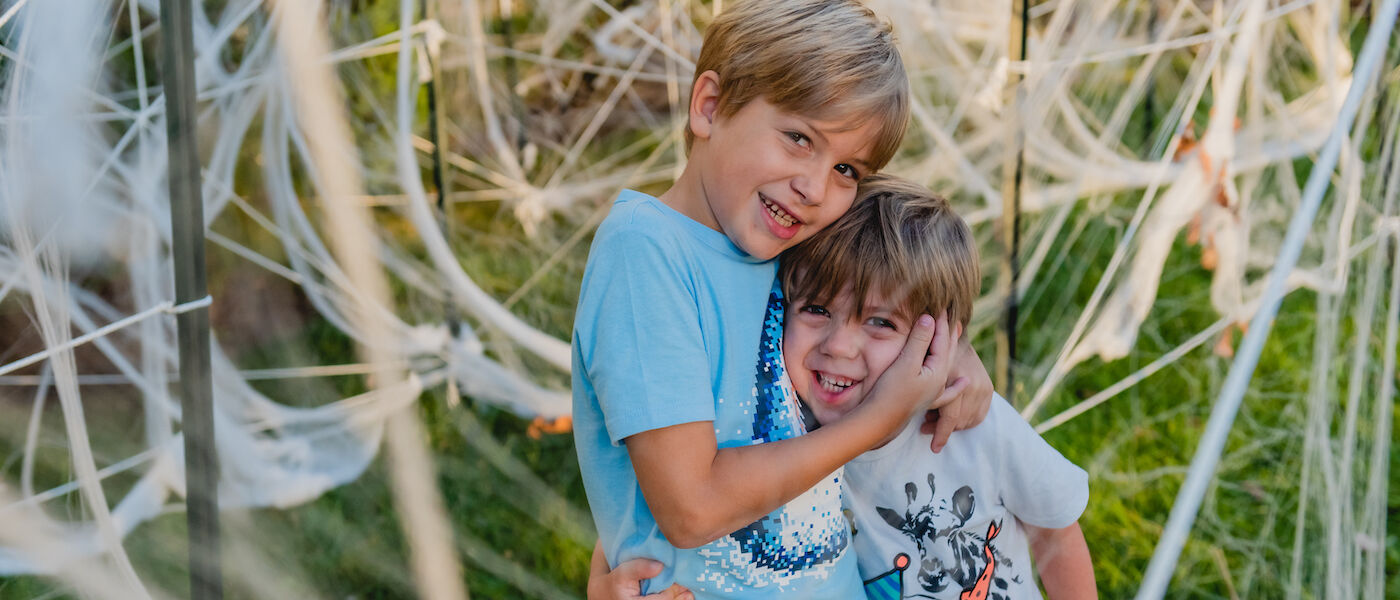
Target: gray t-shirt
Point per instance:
(956, 516)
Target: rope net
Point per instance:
(1165, 145)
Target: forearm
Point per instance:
(1062, 559)
(698, 493)
(772, 474)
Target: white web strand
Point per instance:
(628, 69)
(1207, 455)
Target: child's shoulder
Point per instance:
(634, 212)
(982, 443)
(639, 221)
(1003, 414)
(640, 225)
(1003, 435)
(1002, 421)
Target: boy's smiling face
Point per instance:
(768, 178)
(835, 352)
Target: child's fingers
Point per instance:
(637, 569)
(675, 592)
(930, 421)
(952, 391)
(949, 414)
(916, 347)
(944, 426)
(950, 345)
(625, 582)
(940, 347)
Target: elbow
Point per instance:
(689, 528)
(685, 540)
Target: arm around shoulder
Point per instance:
(698, 492)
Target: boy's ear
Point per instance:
(704, 104)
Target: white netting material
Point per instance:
(82, 188)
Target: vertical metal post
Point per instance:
(187, 233)
(1011, 201)
(517, 104)
(435, 128)
(1149, 105)
(438, 136)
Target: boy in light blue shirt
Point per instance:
(692, 453)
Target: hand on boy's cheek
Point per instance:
(971, 388)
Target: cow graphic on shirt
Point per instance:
(976, 570)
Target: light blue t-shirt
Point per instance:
(676, 324)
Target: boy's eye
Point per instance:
(848, 171)
(815, 309)
(883, 323)
(797, 138)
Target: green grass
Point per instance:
(1136, 445)
(514, 541)
(349, 543)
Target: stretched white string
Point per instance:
(191, 305)
(167, 307)
(1076, 150)
(103, 331)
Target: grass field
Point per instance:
(515, 540)
(516, 501)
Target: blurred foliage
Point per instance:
(348, 543)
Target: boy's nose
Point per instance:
(841, 342)
(810, 188)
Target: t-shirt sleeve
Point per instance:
(639, 329)
(1039, 485)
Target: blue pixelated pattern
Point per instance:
(805, 540)
(776, 416)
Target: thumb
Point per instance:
(940, 350)
(911, 358)
(637, 569)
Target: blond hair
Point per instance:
(823, 59)
(898, 239)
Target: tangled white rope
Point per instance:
(81, 186)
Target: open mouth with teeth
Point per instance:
(834, 383)
(782, 217)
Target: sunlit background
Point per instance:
(418, 356)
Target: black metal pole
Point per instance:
(1011, 208)
(187, 233)
(438, 136)
(1149, 105)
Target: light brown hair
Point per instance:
(830, 60)
(899, 239)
